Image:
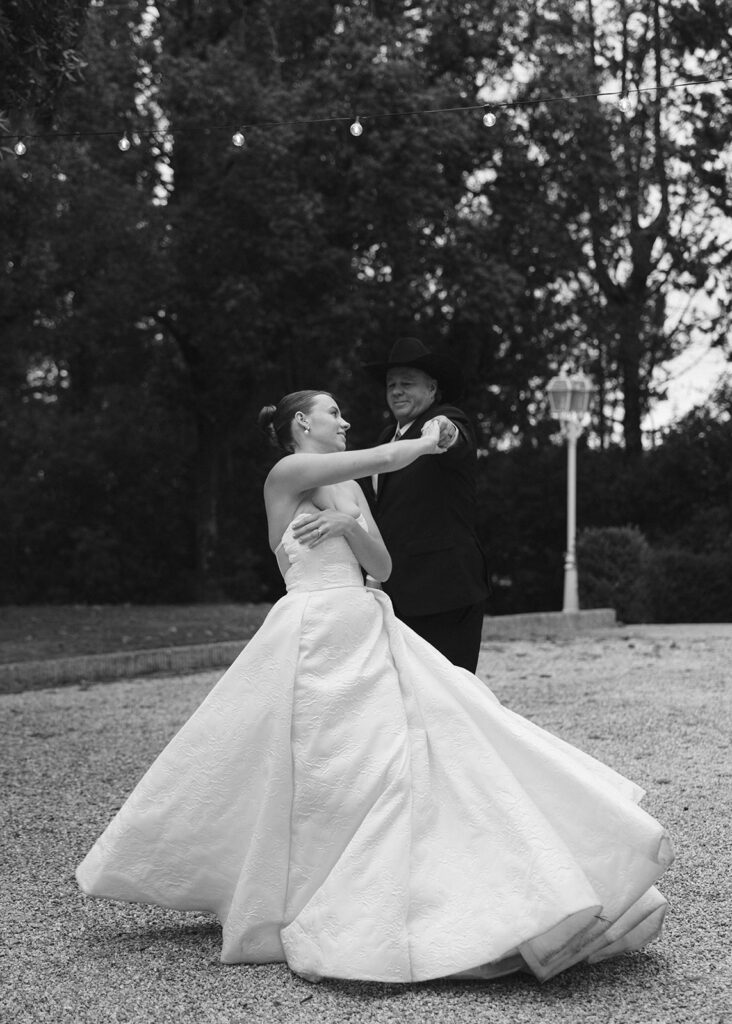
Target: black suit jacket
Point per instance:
(427, 516)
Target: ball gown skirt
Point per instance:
(348, 801)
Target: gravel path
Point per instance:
(652, 702)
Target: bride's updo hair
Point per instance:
(276, 420)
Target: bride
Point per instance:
(348, 801)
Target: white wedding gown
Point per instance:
(348, 801)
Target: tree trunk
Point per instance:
(207, 585)
(629, 361)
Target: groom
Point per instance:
(427, 512)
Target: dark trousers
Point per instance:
(456, 633)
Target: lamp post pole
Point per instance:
(572, 430)
(570, 399)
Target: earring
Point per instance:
(306, 429)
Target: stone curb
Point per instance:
(548, 624)
(25, 675)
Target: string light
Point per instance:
(20, 148)
(625, 99)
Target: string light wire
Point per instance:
(241, 128)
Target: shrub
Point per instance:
(611, 564)
(685, 586)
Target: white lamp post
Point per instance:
(569, 398)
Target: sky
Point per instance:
(694, 376)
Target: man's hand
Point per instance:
(311, 528)
(449, 433)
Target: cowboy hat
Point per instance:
(411, 352)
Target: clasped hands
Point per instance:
(445, 430)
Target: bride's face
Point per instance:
(327, 427)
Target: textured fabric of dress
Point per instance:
(349, 802)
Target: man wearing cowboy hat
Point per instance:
(426, 512)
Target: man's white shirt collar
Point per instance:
(399, 432)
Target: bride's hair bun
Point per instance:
(276, 420)
(265, 419)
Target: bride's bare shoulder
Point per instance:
(280, 471)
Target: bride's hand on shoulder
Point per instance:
(431, 432)
(313, 528)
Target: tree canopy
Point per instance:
(153, 299)
(39, 56)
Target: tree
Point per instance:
(154, 299)
(635, 200)
(89, 409)
(39, 56)
(297, 255)
(219, 277)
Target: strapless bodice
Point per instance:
(329, 564)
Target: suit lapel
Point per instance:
(414, 431)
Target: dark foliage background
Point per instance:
(151, 301)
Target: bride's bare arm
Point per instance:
(369, 548)
(371, 552)
(296, 474)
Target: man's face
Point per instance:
(409, 392)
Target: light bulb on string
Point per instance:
(238, 138)
(356, 128)
(489, 118)
(124, 143)
(20, 148)
(625, 104)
